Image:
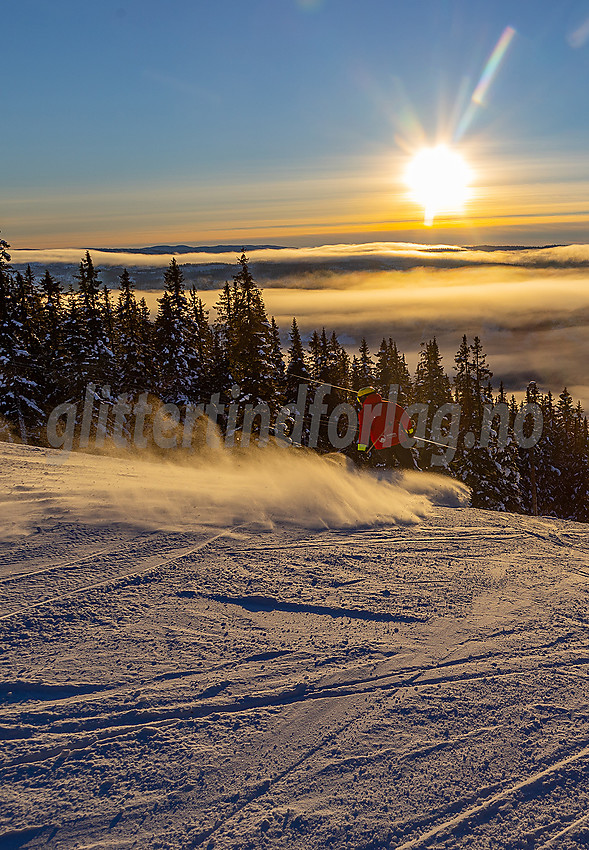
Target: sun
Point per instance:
(439, 181)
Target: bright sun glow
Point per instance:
(439, 181)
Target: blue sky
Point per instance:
(286, 121)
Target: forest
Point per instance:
(54, 343)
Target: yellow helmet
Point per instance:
(364, 392)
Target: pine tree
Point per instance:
(432, 385)
(89, 288)
(325, 359)
(355, 375)
(7, 331)
(318, 355)
(464, 385)
(565, 413)
(472, 388)
(277, 367)
(147, 350)
(203, 332)
(52, 358)
(481, 377)
(133, 353)
(570, 490)
(21, 390)
(547, 472)
(336, 365)
(75, 345)
(226, 319)
(338, 375)
(220, 378)
(492, 471)
(366, 367)
(342, 365)
(296, 370)
(11, 414)
(175, 340)
(202, 337)
(172, 367)
(382, 372)
(391, 369)
(108, 370)
(28, 311)
(580, 445)
(252, 355)
(5, 257)
(247, 336)
(93, 357)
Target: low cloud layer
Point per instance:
(367, 256)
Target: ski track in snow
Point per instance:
(254, 683)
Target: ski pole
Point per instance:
(327, 383)
(423, 439)
(432, 442)
(417, 440)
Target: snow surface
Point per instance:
(281, 652)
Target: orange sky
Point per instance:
(522, 200)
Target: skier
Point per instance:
(382, 427)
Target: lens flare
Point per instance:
(490, 71)
(438, 179)
(492, 66)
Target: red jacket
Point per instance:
(382, 424)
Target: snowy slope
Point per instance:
(233, 656)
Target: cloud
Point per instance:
(368, 256)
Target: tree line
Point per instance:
(55, 342)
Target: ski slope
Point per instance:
(281, 652)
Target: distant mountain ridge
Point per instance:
(189, 249)
(223, 249)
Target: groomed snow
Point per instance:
(281, 652)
